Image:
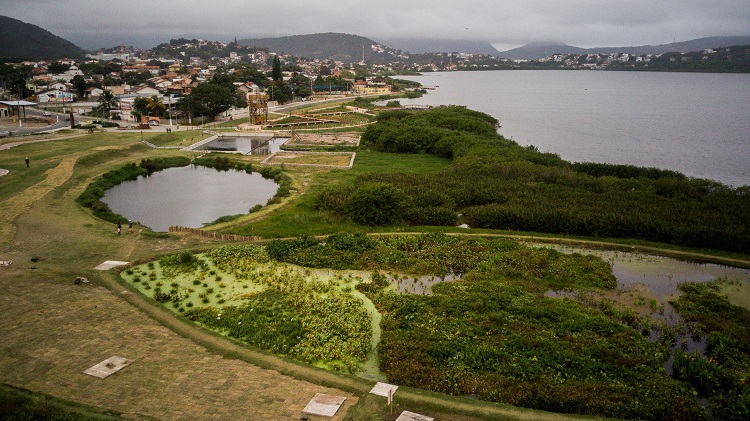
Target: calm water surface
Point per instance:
(695, 123)
(247, 145)
(188, 196)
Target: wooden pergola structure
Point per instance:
(257, 103)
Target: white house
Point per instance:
(54, 95)
(58, 86)
(93, 93)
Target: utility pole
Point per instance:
(18, 106)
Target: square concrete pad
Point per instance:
(381, 389)
(411, 416)
(109, 264)
(108, 367)
(325, 405)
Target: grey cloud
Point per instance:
(579, 22)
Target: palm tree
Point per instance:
(107, 101)
(155, 105)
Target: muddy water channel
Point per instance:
(646, 282)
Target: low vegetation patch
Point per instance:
(723, 373)
(487, 330)
(240, 292)
(495, 183)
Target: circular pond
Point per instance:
(190, 196)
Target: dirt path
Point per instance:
(12, 208)
(27, 142)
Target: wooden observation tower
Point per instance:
(257, 103)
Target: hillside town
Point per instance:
(128, 84)
(627, 61)
(124, 80)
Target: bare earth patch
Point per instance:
(318, 159)
(320, 139)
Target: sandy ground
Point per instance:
(345, 139)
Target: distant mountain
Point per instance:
(539, 50)
(421, 46)
(340, 47)
(24, 40)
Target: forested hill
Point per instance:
(335, 46)
(538, 50)
(27, 41)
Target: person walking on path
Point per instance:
(27, 162)
(119, 228)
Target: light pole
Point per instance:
(18, 106)
(169, 98)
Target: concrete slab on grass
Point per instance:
(381, 389)
(108, 367)
(109, 264)
(324, 405)
(411, 416)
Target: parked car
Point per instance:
(46, 114)
(153, 123)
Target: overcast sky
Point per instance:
(504, 23)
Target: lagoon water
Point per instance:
(694, 123)
(247, 145)
(188, 196)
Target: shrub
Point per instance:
(358, 243)
(162, 297)
(376, 204)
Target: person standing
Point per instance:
(119, 228)
(27, 162)
(130, 226)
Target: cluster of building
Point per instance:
(165, 77)
(603, 61)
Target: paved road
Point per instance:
(19, 131)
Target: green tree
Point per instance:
(155, 106)
(80, 86)
(223, 80)
(280, 91)
(191, 105)
(210, 99)
(301, 85)
(360, 72)
(376, 204)
(107, 101)
(139, 109)
(276, 70)
(247, 73)
(57, 67)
